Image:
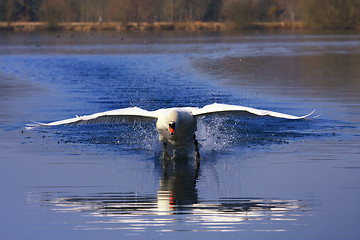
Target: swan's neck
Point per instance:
(174, 116)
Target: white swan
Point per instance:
(176, 126)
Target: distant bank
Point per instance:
(131, 26)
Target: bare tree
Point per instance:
(55, 11)
(242, 12)
(331, 14)
(10, 11)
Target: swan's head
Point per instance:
(173, 119)
(172, 128)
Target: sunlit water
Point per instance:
(258, 178)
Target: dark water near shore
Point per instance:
(259, 178)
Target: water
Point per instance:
(258, 178)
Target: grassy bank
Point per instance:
(131, 26)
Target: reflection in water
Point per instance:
(175, 207)
(177, 191)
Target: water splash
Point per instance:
(211, 135)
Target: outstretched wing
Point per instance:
(133, 114)
(217, 108)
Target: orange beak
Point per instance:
(171, 130)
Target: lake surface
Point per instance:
(259, 178)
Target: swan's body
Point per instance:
(176, 126)
(183, 130)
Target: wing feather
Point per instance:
(217, 108)
(130, 115)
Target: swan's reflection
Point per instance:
(176, 206)
(178, 191)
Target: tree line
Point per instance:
(314, 13)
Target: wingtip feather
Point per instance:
(308, 115)
(33, 125)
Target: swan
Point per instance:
(176, 126)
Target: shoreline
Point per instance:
(144, 26)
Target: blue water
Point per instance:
(258, 178)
